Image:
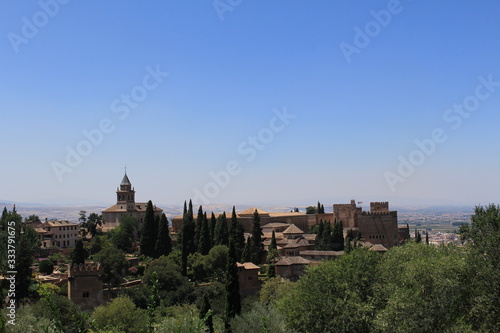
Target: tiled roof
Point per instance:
(275, 225)
(248, 265)
(378, 248)
(61, 223)
(139, 206)
(292, 261)
(293, 229)
(250, 211)
(321, 253)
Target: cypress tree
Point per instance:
(164, 242)
(221, 231)
(78, 254)
(245, 256)
(273, 245)
(257, 247)
(149, 232)
(233, 299)
(197, 228)
(187, 237)
(205, 308)
(338, 236)
(319, 237)
(237, 234)
(322, 209)
(213, 223)
(427, 237)
(204, 241)
(328, 236)
(179, 232)
(418, 236)
(318, 209)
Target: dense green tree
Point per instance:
(113, 263)
(257, 246)
(260, 318)
(149, 231)
(123, 236)
(52, 313)
(92, 223)
(421, 288)
(482, 238)
(237, 234)
(204, 244)
(26, 245)
(216, 261)
(79, 254)
(121, 315)
(173, 287)
(221, 231)
(233, 299)
(337, 236)
(206, 311)
(274, 289)
(163, 245)
(334, 296)
(311, 210)
(46, 266)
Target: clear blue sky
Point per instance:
(65, 69)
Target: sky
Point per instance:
(250, 102)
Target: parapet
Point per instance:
(379, 207)
(85, 269)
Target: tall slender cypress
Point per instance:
(257, 247)
(149, 231)
(204, 241)
(213, 223)
(197, 228)
(233, 299)
(164, 242)
(221, 231)
(237, 234)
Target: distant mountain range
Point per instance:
(71, 212)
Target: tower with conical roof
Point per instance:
(125, 194)
(125, 205)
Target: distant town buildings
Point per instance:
(125, 204)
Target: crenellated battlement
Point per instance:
(393, 212)
(85, 269)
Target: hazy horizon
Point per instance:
(263, 103)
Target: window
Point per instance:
(85, 294)
(249, 278)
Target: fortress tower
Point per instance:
(85, 286)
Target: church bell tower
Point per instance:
(125, 194)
